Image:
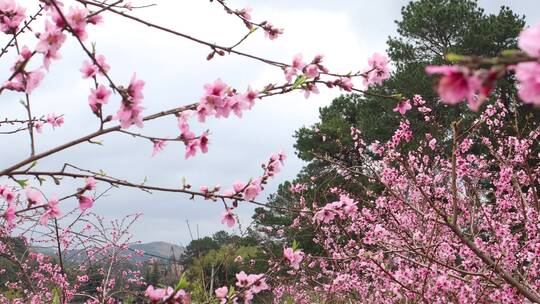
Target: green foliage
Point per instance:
(218, 267)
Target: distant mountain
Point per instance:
(155, 250)
(159, 249)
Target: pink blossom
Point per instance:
(432, 143)
(90, 183)
(95, 19)
(52, 210)
(403, 106)
(50, 43)
(25, 81)
(238, 186)
(528, 75)
(297, 62)
(85, 202)
(246, 14)
(258, 283)
(135, 89)
(88, 69)
(129, 115)
(222, 292)
(155, 294)
(77, 19)
(271, 32)
(294, 257)
(203, 142)
(297, 65)
(253, 189)
(130, 109)
(33, 196)
(98, 97)
(312, 71)
(378, 70)
(203, 189)
(159, 145)
(324, 215)
(346, 84)
(11, 15)
(227, 218)
(310, 88)
(8, 194)
(191, 148)
(100, 59)
(237, 104)
(243, 280)
(455, 84)
(250, 97)
(55, 120)
(9, 215)
(38, 125)
(529, 40)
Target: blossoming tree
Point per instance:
(35, 36)
(428, 227)
(433, 224)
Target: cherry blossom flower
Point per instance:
(294, 257)
(159, 145)
(25, 81)
(324, 215)
(52, 210)
(77, 19)
(271, 32)
(55, 120)
(155, 294)
(243, 280)
(90, 183)
(258, 283)
(38, 125)
(456, 84)
(85, 202)
(432, 143)
(345, 83)
(11, 16)
(529, 82)
(378, 70)
(130, 109)
(98, 97)
(33, 196)
(9, 215)
(403, 106)
(222, 293)
(89, 69)
(227, 218)
(529, 40)
(253, 189)
(50, 42)
(7, 193)
(312, 71)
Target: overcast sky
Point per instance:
(175, 70)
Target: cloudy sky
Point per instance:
(175, 70)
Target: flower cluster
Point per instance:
(11, 16)
(167, 295)
(458, 83)
(248, 284)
